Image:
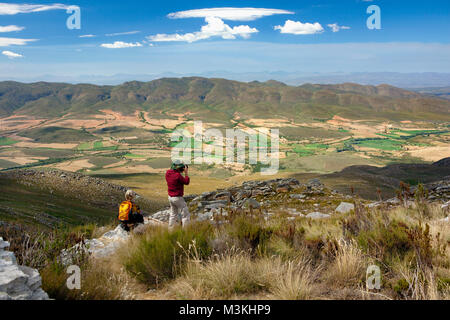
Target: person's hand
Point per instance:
(186, 170)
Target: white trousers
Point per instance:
(178, 206)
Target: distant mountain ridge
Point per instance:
(220, 100)
(397, 79)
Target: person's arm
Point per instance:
(185, 180)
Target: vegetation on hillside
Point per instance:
(218, 99)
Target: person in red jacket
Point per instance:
(175, 184)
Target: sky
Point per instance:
(189, 37)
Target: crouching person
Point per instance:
(175, 184)
(129, 212)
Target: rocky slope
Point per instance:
(53, 197)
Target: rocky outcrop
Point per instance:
(18, 282)
(284, 195)
(438, 190)
(104, 246)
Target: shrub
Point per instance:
(386, 241)
(249, 231)
(98, 282)
(160, 254)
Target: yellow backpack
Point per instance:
(125, 210)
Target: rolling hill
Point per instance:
(220, 100)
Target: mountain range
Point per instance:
(295, 78)
(221, 100)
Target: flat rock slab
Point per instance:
(318, 215)
(18, 282)
(345, 207)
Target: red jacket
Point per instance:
(175, 183)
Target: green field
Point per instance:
(305, 150)
(5, 141)
(380, 144)
(95, 146)
(134, 156)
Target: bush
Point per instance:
(160, 254)
(98, 282)
(249, 231)
(386, 241)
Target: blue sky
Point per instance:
(137, 37)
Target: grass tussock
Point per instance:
(349, 266)
(237, 274)
(98, 282)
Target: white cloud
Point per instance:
(233, 14)
(121, 33)
(87, 36)
(12, 9)
(6, 42)
(299, 28)
(336, 28)
(11, 28)
(214, 27)
(120, 45)
(12, 55)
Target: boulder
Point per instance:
(374, 204)
(317, 215)
(252, 203)
(345, 207)
(298, 196)
(315, 183)
(18, 282)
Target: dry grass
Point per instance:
(348, 268)
(236, 274)
(293, 281)
(419, 284)
(98, 282)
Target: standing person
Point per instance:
(175, 185)
(129, 211)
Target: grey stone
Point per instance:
(345, 207)
(252, 203)
(18, 282)
(317, 215)
(298, 196)
(204, 216)
(374, 204)
(215, 205)
(3, 244)
(315, 183)
(393, 201)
